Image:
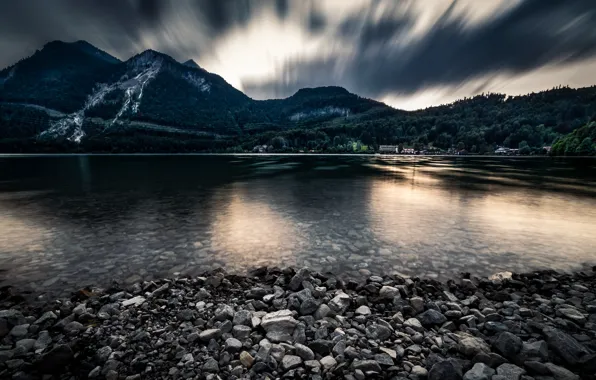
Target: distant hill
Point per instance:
(76, 97)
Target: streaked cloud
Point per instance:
(410, 54)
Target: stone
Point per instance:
(73, 328)
(339, 348)
(419, 372)
(290, 362)
(312, 366)
(417, 304)
(471, 346)
(298, 278)
(490, 359)
(392, 353)
(279, 323)
(43, 340)
(508, 345)
(246, 359)
(55, 360)
(25, 344)
(242, 317)
(560, 373)
(20, 331)
(241, 332)
(135, 301)
(323, 311)
(431, 317)
(308, 306)
(46, 319)
(304, 352)
(94, 373)
(209, 334)
(573, 315)
(103, 354)
(363, 310)
(510, 371)
(388, 292)
(211, 366)
(414, 324)
(501, 276)
(480, 371)
(224, 312)
(366, 366)
(328, 362)
(384, 359)
(378, 332)
(565, 346)
(535, 351)
(233, 345)
(445, 370)
(340, 303)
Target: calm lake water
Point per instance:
(70, 221)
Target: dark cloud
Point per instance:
(384, 58)
(534, 34)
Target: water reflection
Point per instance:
(73, 221)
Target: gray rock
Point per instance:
(299, 277)
(534, 351)
(388, 292)
(560, 373)
(340, 303)
(279, 322)
(363, 310)
(242, 317)
(480, 371)
(384, 359)
(417, 304)
(224, 312)
(378, 332)
(233, 345)
(94, 373)
(490, 359)
(431, 317)
(366, 366)
(508, 345)
(312, 366)
(308, 306)
(48, 318)
(103, 354)
(414, 324)
(322, 312)
(26, 344)
(471, 346)
(339, 348)
(510, 371)
(392, 353)
(565, 346)
(20, 331)
(12, 317)
(445, 370)
(328, 362)
(304, 352)
(209, 334)
(573, 315)
(211, 366)
(419, 372)
(73, 328)
(290, 362)
(241, 332)
(135, 301)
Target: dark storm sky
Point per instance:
(410, 54)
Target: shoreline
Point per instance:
(304, 324)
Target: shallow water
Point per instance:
(70, 221)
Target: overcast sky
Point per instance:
(409, 54)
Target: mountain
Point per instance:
(76, 97)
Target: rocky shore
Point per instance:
(287, 324)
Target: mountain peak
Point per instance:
(191, 63)
(320, 91)
(82, 46)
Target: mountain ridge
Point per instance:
(95, 101)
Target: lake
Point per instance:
(70, 221)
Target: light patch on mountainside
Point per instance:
(142, 72)
(198, 82)
(7, 77)
(327, 111)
